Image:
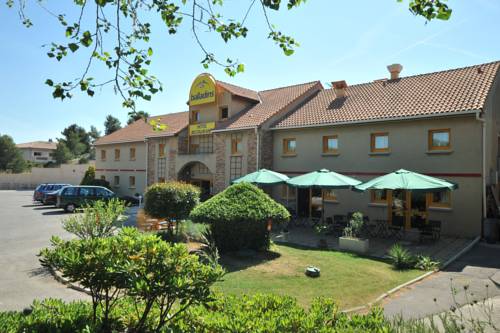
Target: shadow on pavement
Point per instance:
(55, 212)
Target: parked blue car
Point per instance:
(46, 188)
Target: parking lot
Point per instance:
(25, 228)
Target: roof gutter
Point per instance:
(235, 129)
(467, 112)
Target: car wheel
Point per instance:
(70, 208)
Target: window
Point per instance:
(102, 192)
(289, 146)
(439, 139)
(378, 196)
(379, 142)
(132, 154)
(86, 192)
(224, 113)
(103, 177)
(70, 191)
(329, 195)
(235, 167)
(131, 182)
(103, 155)
(37, 153)
(330, 144)
(161, 150)
(202, 169)
(236, 144)
(195, 116)
(116, 181)
(202, 144)
(117, 154)
(440, 199)
(161, 180)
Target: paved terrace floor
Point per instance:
(441, 250)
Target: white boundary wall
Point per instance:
(66, 173)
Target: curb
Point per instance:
(415, 280)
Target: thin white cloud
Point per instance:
(458, 51)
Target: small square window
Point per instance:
(131, 181)
(195, 116)
(132, 154)
(289, 146)
(330, 144)
(440, 199)
(379, 142)
(116, 181)
(439, 139)
(236, 144)
(329, 195)
(224, 113)
(117, 154)
(103, 155)
(378, 196)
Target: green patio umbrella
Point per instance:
(323, 179)
(263, 177)
(407, 180)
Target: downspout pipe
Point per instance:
(147, 162)
(483, 128)
(257, 164)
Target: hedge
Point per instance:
(171, 200)
(239, 217)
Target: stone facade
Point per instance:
(151, 171)
(251, 152)
(172, 156)
(220, 162)
(266, 149)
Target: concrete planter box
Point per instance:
(356, 245)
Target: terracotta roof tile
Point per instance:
(445, 92)
(271, 102)
(240, 91)
(140, 129)
(38, 145)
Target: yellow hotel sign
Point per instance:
(200, 129)
(203, 90)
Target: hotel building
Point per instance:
(443, 124)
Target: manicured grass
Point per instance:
(349, 279)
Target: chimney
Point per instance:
(395, 70)
(339, 88)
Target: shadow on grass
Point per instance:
(238, 261)
(348, 254)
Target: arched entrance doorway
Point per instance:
(198, 174)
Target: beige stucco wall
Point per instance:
(408, 150)
(45, 155)
(124, 168)
(64, 174)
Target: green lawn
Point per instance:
(347, 278)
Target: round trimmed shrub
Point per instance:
(171, 200)
(239, 217)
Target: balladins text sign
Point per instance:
(203, 90)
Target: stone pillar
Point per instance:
(266, 149)
(251, 152)
(220, 162)
(172, 156)
(151, 150)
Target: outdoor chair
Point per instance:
(396, 229)
(431, 231)
(339, 224)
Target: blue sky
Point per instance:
(340, 40)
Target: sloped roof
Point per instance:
(240, 91)
(141, 129)
(271, 102)
(439, 93)
(38, 145)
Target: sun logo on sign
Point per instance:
(202, 84)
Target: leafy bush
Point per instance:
(355, 226)
(89, 176)
(400, 257)
(100, 219)
(171, 200)
(141, 266)
(239, 217)
(425, 263)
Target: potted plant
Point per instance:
(351, 240)
(321, 230)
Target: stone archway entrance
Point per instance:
(198, 174)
